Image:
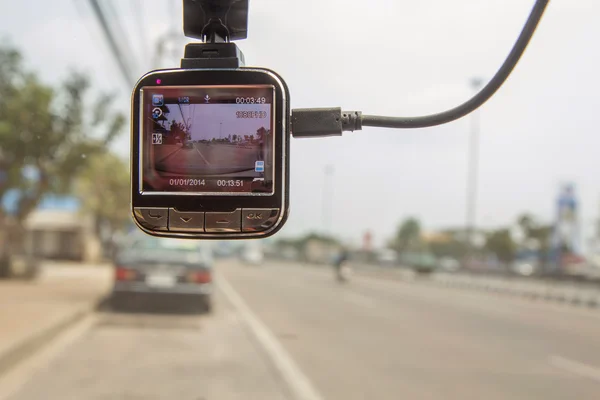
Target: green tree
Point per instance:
(452, 245)
(103, 186)
(47, 133)
(500, 243)
(535, 231)
(408, 235)
(178, 131)
(527, 223)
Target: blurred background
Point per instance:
(506, 200)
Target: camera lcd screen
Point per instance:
(207, 139)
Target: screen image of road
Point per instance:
(208, 144)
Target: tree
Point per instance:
(500, 243)
(450, 244)
(103, 186)
(527, 223)
(46, 136)
(178, 131)
(536, 232)
(408, 235)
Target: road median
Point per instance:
(582, 294)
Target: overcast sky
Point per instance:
(219, 120)
(394, 57)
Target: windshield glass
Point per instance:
(165, 244)
(453, 262)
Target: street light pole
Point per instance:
(327, 198)
(472, 173)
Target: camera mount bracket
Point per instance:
(216, 23)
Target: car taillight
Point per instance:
(124, 274)
(199, 277)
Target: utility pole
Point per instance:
(472, 173)
(327, 200)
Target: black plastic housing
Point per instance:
(216, 203)
(212, 55)
(226, 18)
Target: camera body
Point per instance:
(210, 153)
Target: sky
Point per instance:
(219, 120)
(387, 57)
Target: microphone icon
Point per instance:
(207, 98)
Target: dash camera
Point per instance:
(210, 143)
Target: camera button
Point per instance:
(185, 221)
(152, 218)
(258, 219)
(223, 221)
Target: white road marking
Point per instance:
(13, 380)
(298, 382)
(575, 367)
(169, 155)
(201, 155)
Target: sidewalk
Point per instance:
(31, 313)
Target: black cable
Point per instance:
(476, 101)
(124, 67)
(332, 121)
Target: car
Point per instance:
(150, 267)
(448, 264)
(421, 262)
(386, 257)
(252, 254)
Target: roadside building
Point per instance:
(58, 229)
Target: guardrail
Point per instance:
(578, 293)
(583, 294)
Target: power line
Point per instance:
(120, 33)
(94, 34)
(138, 13)
(112, 43)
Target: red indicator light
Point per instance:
(158, 81)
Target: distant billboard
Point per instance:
(566, 228)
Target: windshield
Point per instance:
(169, 245)
(453, 262)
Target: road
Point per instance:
(285, 330)
(203, 158)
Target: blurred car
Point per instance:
(448, 264)
(525, 267)
(574, 265)
(527, 263)
(420, 261)
(386, 257)
(151, 267)
(188, 144)
(252, 255)
(593, 264)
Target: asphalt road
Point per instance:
(202, 158)
(281, 331)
